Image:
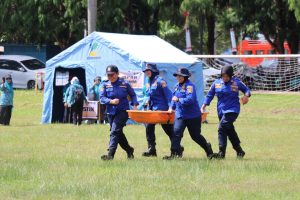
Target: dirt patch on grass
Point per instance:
(285, 111)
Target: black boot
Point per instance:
(209, 152)
(129, 152)
(182, 150)
(174, 154)
(240, 153)
(222, 152)
(150, 152)
(110, 155)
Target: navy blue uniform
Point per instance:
(158, 96)
(187, 114)
(228, 107)
(117, 114)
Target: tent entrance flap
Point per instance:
(61, 77)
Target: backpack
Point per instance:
(79, 97)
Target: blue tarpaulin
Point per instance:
(128, 52)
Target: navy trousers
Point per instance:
(194, 128)
(150, 133)
(226, 129)
(117, 122)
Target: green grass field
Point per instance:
(63, 161)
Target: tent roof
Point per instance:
(148, 48)
(141, 48)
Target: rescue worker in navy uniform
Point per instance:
(157, 97)
(187, 114)
(227, 90)
(114, 94)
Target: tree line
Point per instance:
(63, 21)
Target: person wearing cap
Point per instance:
(187, 114)
(6, 100)
(157, 97)
(114, 94)
(74, 98)
(227, 90)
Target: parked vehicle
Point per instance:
(23, 69)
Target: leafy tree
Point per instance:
(39, 22)
(295, 6)
(205, 14)
(274, 20)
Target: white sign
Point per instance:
(135, 78)
(90, 110)
(62, 78)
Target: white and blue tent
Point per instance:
(89, 57)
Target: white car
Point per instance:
(25, 70)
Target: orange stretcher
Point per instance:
(156, 117)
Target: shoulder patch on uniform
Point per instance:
(102, 89)
(234, 86)
(163, 84)
(218, 85)
(189, 89)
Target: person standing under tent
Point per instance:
(157, 97)
(227, 90)
(75, 96)
(95, 89)
(67, 110)
(114, 94)
(93, 94)
(187, 114)
(6, 100)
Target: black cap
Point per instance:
(182, 72)
(227, 69)
(110, 69)
(151, 67)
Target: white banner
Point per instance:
(62, 78)
(135, 78)
(90, 110)
(188, 42)
(233, 42)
